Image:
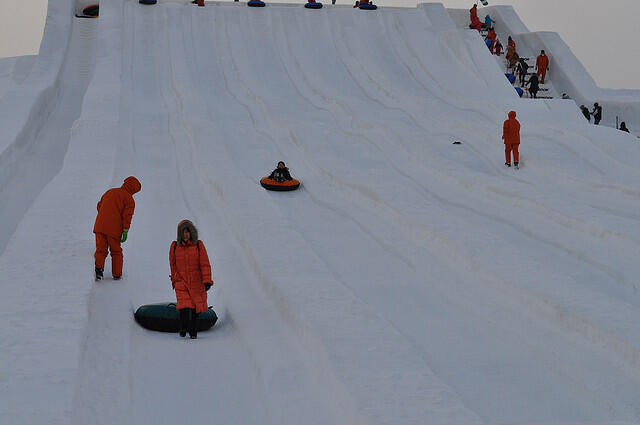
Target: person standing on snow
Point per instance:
(488, 22)
(473, 17)
(623, 127)
(597, 113)
(115, 210)
(511, 137)
(492, 36)
(585, 112)
(542, 65)
(523, 70)
(473, 14)
(534, 86)
(190, 276)
(498, 47)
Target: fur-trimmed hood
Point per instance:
(187, 224)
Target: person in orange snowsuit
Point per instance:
(190, 276)
(498, 47)
(473, 14)
(511, 137)
(473, 17)
(542, 65)
(492, 36)
(115, 210)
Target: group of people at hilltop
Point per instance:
(191, 275)
(517, 64)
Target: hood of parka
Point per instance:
(186, 224)
(131, 185)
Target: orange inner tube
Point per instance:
(286, 183)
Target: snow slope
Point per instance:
(408, 281)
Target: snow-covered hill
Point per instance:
(408, 281)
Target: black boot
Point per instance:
(99, 273)
(193, 325)
(184, 321)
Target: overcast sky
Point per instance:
(604, 34)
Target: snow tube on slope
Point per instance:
(368, 7)
(147, 1)
(520, 91)
(511, 78)
(91, 11)
(315, 5)
(255, 3)
(488, 42)
(271, 184)
(164, 317)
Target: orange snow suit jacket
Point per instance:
(542, 62)
(115, 208)
(511, 130)
(473, 14)
(190, 270)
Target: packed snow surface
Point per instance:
(408, 281)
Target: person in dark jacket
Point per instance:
(623, 127)
(281, 173)
(585, 112)
(597, 113)
(523, 70)
(534, 86)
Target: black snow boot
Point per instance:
(516, 165)
(193, 325)
(99, 274)
(184, 321)
(507, 164)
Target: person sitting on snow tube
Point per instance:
(281, 173)
(313, 4)
(190, 276)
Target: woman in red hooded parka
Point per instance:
(190, 276)
(115, 210)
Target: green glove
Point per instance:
(124, 235)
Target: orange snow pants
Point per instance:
(542, 72)
(104, 244)
(507, 152)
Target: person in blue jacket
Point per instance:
(488, 22)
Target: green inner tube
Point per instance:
(164, 317)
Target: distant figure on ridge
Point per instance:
(597, 113)
(623, 127)
(115, 211)
(190, 276)
(585, 112)
(542, 65)
(511, 137)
